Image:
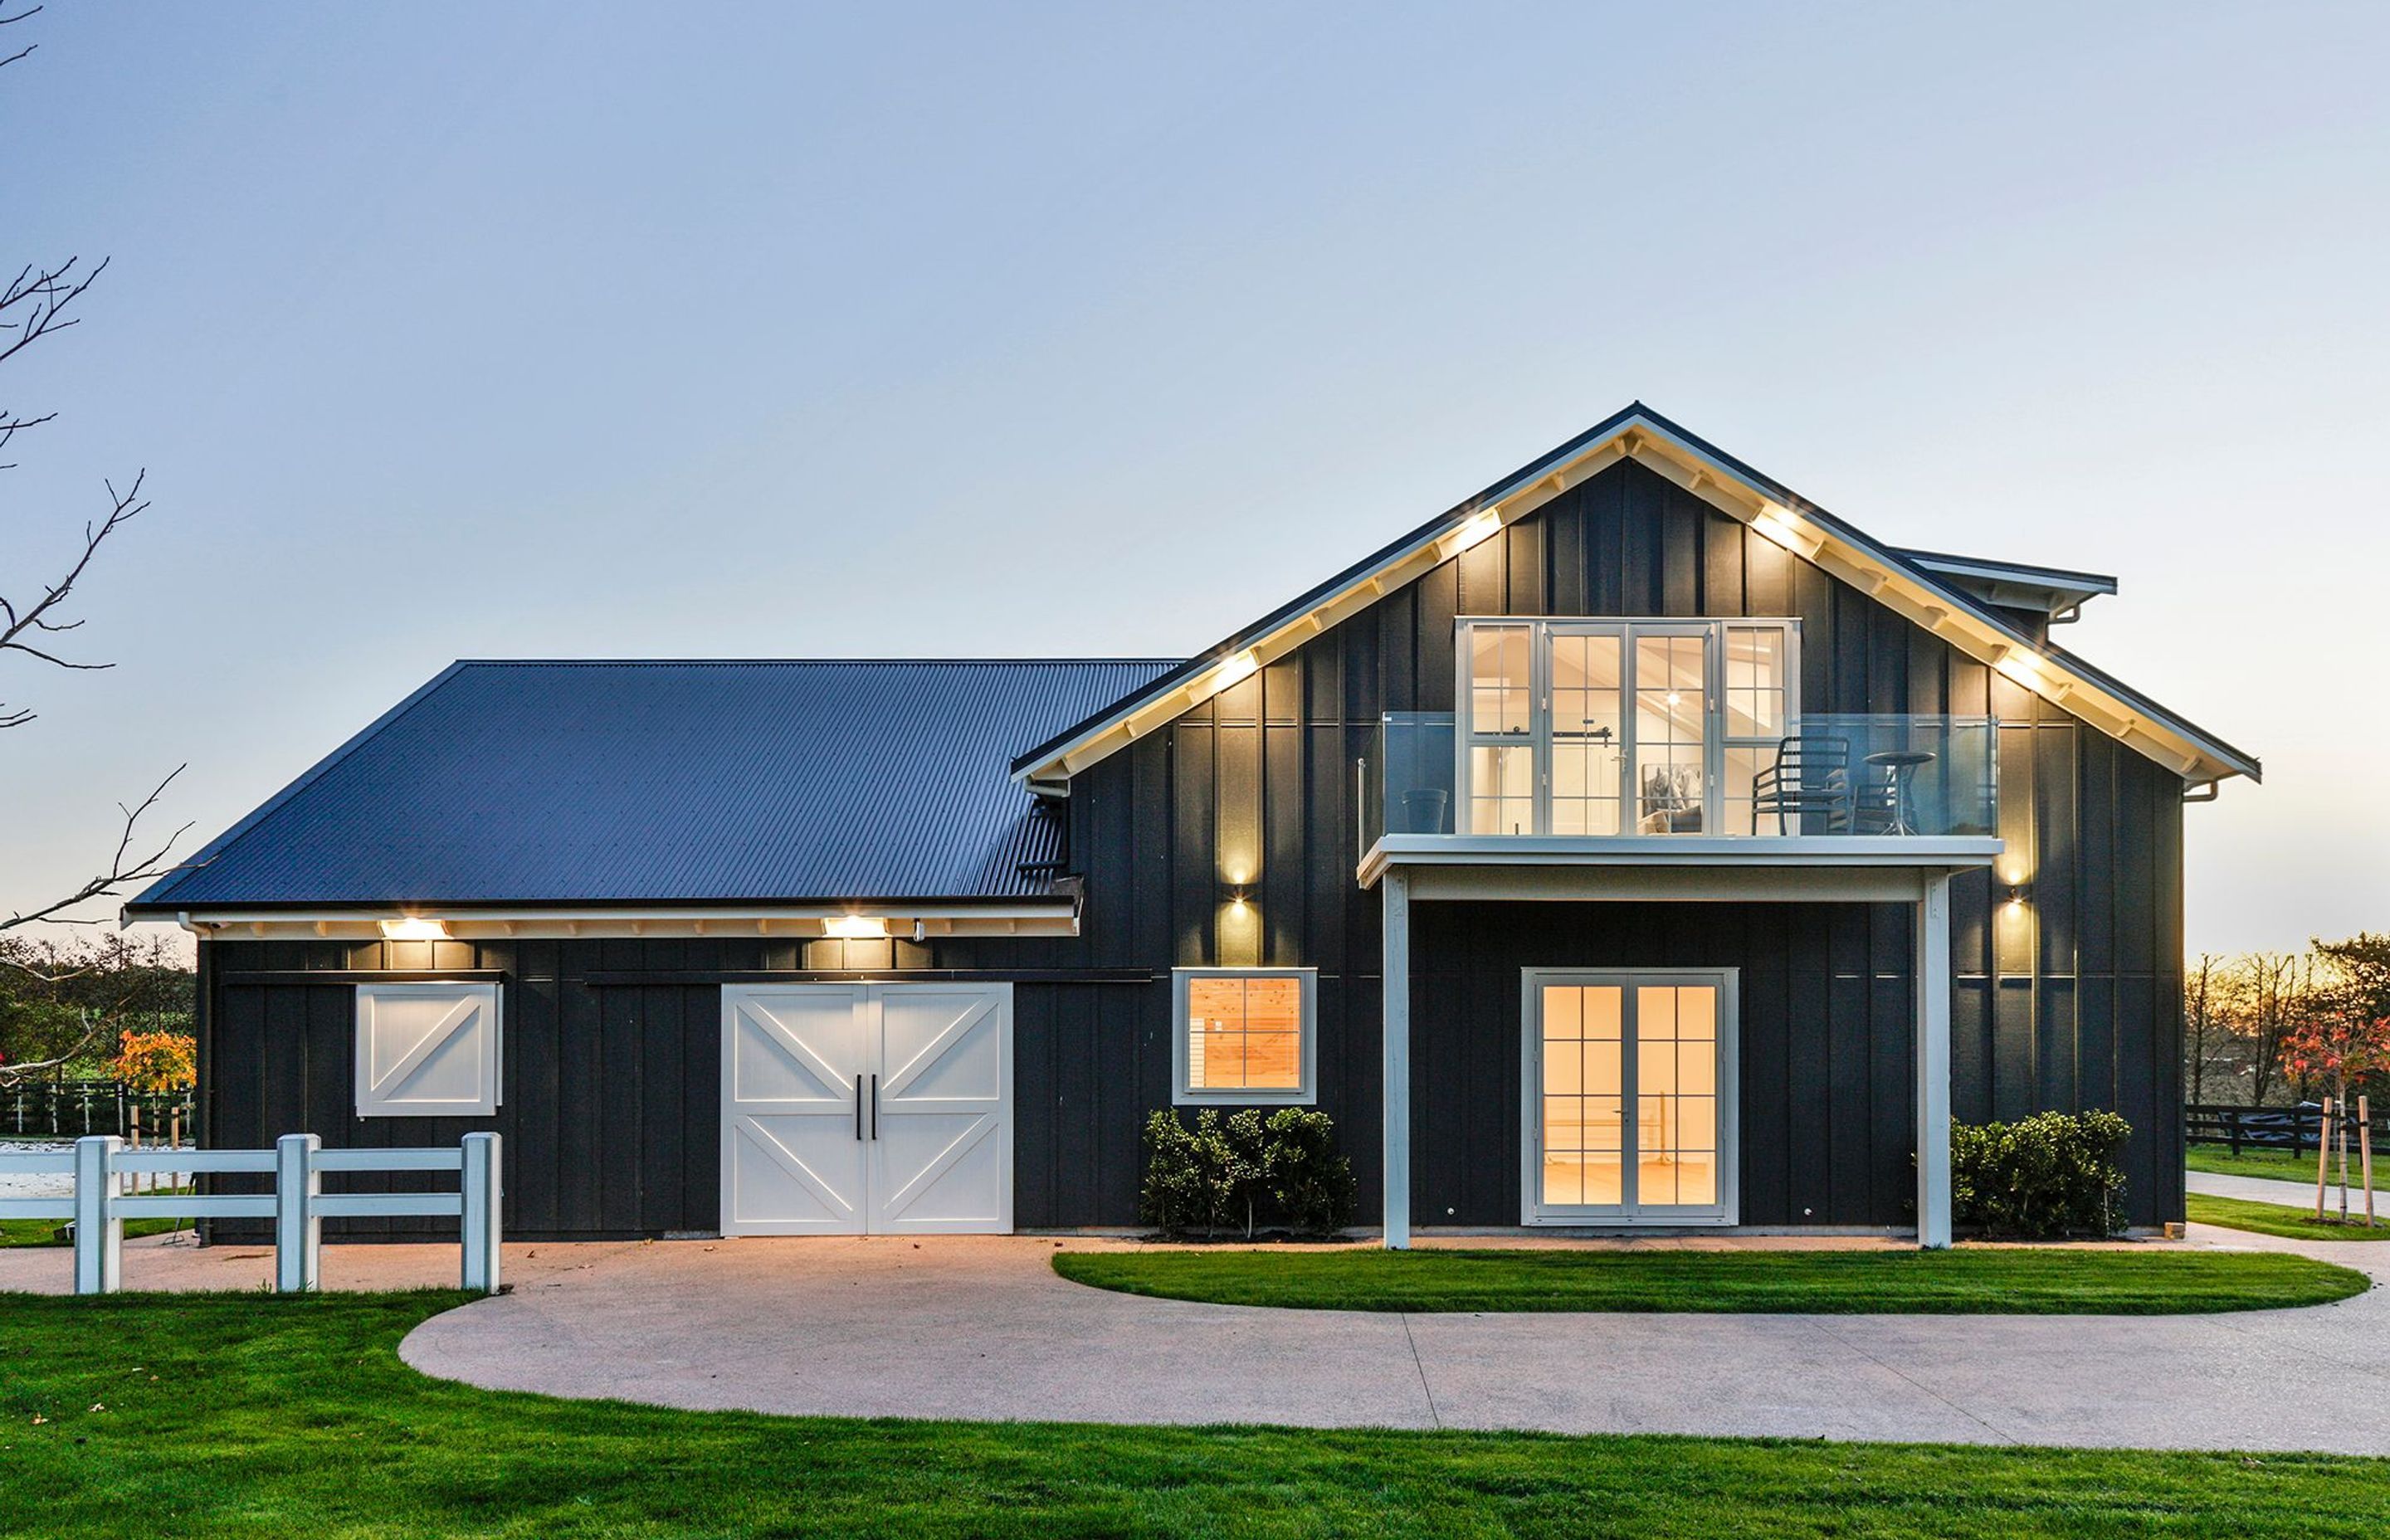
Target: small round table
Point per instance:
(1899, 764)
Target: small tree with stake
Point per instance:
(2342, 1048)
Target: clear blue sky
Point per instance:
(606, 330)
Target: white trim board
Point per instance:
(1876, 569)
(483, 922)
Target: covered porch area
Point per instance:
(1662, 1006)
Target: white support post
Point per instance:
(297, 1229)
(1394, 888)
(483, 1192)
(99, 1234)
(1933, 1063)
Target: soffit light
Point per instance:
(1235, 669)
(415, 928)
(1483, 527)
(858, 928)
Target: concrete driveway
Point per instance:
(982, 1328)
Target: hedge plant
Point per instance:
(2040, 1178)
(1230, 1173)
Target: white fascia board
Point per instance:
(802, 921)
(1875, 569)
(1683, 852)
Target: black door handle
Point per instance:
(875, 1107)
(858, 1107)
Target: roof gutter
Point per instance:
(920, 920)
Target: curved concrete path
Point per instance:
(2298, 1195)
(982, 1328)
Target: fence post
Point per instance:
(99, 1234)
(482, 1192)
(2233, 1121)
(297, 1232)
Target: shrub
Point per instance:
(1312, 1183)
(1213, 1176)
(1175, 1197)
(2051, 1174)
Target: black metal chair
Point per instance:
(1880, 805)
(1809, 781)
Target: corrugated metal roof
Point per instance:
(666, 781)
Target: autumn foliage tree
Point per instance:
(2340, 1052)
(156, 1062)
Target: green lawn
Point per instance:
(2282, 1165)
(255, 1417)
(2009, 1281)
(45, 1232)
(2280, 1219)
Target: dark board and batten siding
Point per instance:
(2074, 1002)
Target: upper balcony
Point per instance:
(1823, 790)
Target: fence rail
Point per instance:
(297, 1205)
(2296, 1129)
(72, 1109)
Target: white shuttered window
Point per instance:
(427, 1050)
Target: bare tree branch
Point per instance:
(10, 427)
(124, 869)
(37, 616)
(42, 296)
(28, 47)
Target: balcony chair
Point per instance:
(1809, 782)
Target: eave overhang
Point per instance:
(901, 919)
(1772, 510)
(2057, 592)
(1784, 854)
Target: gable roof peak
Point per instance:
(1928, 599)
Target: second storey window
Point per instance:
(1606, 727)
(1243, 1034)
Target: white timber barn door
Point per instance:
(867, 1109)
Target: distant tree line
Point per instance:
(2250, 1021)
(67, 1006)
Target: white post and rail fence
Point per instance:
(297, 1205)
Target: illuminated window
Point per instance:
(1244, 1034)
(1619, 726)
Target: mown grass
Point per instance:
(200, 1417)
(2006, 1281)
(2280, 1166)
(50, 1232)
(2283, 1220)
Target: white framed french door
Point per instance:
(1627, 1096)
(1618, 726)
(867, 1109)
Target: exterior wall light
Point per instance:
(415, 928)
(856, 928)
(2020, 894)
